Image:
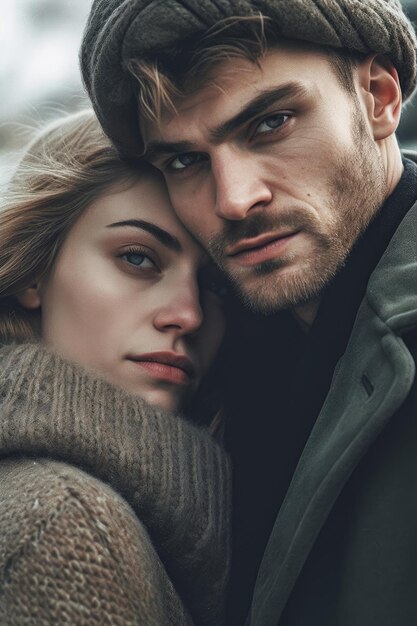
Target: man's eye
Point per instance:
(271, 123)
(182, 161)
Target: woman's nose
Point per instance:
(181, 312)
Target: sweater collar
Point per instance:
(174, 475)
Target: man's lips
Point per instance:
(169, 366)
(259, 249)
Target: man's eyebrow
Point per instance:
(168, 240)
(257, 106)
(156, 148)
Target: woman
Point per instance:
(111, 511)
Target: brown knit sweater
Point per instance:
(111, 511)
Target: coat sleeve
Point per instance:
(73, 552)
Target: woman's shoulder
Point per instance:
(71, 547)
(33, 477)
(36, 493)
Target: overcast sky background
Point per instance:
(39, 74)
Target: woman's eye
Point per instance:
(138, 260)
(182, 161)
(271, 123)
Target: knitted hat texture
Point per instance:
(120, 30)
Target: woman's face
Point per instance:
(126, 297)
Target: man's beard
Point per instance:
(356, 189)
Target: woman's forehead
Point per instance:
(144, 205)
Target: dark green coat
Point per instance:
(343, 551)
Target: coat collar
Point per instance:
(370, 383)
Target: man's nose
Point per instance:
(239, 185)
(180, 312)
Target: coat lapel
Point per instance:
(372, 380)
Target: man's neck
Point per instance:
(393, 164)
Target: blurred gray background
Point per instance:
(39, 76)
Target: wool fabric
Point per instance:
(118, 31)
(156, 489)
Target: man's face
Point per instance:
(274, 170)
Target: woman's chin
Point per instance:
(166, 399)
(158, 393)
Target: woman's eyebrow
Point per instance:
(168, 240)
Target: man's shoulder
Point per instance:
(392, 287)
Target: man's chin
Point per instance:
(271, 289)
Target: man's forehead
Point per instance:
(217, 110)
(236, 83)
(218, 87)
(174, 121)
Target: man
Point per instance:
(274, 124)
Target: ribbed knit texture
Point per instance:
(173, 474)
(118, 31)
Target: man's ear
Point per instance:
(381, 91)
(30, 298)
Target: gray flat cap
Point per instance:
(120, 30)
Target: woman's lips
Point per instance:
(168, 366)
(259, 249)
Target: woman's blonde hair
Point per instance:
(65, 167)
